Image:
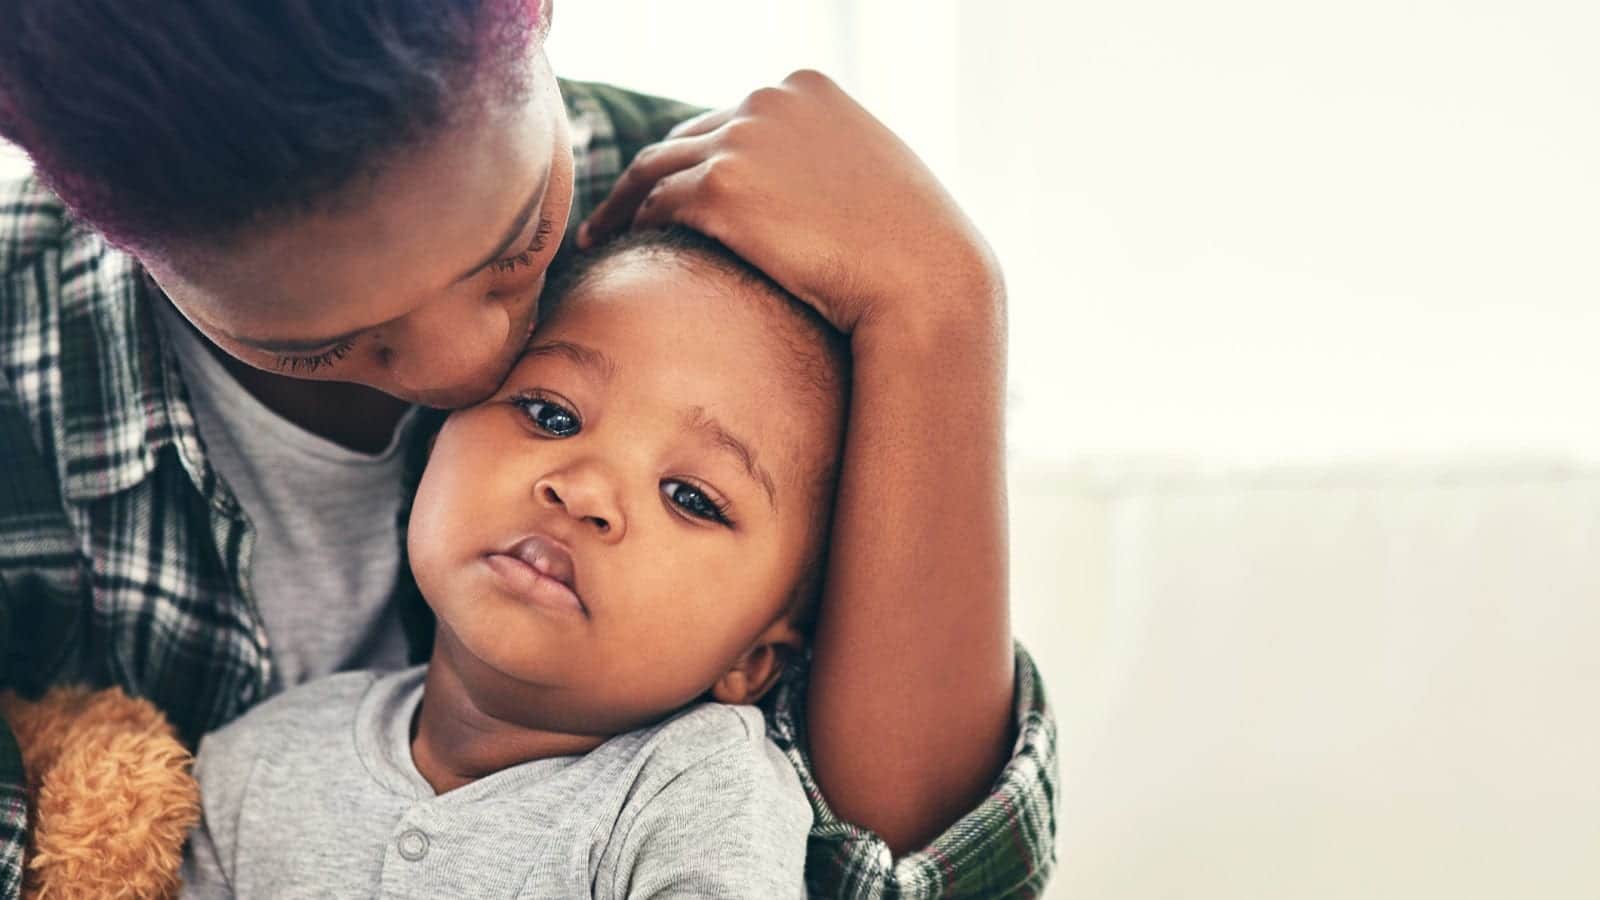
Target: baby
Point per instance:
(623, 548)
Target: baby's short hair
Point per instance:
(820, 353)
(819, 360)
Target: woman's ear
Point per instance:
(757, 669)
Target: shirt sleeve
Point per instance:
(732, 825)
(41, 595)
(1003, 848)
(13, 814)
(13, 796)
(609, 126)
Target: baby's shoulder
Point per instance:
(716, 806)
(718, 744)
(701, 731)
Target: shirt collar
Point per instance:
(122, 399)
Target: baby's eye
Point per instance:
(551, 418)
(694, 501)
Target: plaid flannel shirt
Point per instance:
(124, 557)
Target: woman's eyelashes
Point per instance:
(550, 417)
(541, 238)
(305, 365)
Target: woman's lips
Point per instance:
(539, 570)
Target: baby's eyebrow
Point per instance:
(584, 357)
(724, 439)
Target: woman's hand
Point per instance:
(806, 185)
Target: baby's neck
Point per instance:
(453, 743)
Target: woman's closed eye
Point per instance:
(541, 239)
(695, 501)
(305, 365)
(548, 416)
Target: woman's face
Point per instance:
(422, 283)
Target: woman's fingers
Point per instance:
(649, 166)
(807, 186)
(710, 120)
(673, 201)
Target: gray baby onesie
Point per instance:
(314, 794)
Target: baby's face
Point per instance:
(604, 536)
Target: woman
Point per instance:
(292, 223)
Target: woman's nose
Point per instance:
(448, 347)
(587, 496)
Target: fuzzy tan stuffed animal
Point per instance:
(110, 794)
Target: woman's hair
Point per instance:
(181, 118)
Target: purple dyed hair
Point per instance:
(171, 120)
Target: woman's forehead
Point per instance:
(394, 240)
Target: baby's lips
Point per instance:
(547, 557)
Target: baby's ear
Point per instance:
(757, 669)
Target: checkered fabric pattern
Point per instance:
(124, 557)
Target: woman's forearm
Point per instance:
(910, 694)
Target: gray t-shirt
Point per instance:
(326, 554)
(315, 794)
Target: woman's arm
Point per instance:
(910, 698)
(910, 701)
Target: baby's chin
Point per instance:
(569, 709)
(555, 691)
